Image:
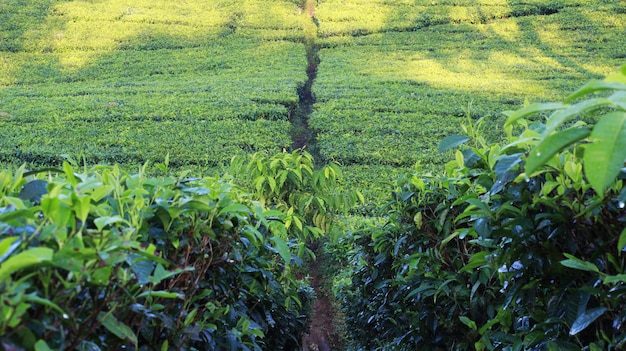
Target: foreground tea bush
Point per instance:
(518, 247)
(111, 260)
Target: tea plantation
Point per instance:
(109, 82)
(457, 166)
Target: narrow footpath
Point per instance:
(321, 331)
(302, 136)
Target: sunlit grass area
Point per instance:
(130, 82)
(390, 86)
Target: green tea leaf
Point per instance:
(283, 249)
(162, 293)
(532, 109)
(614, 279)
(604, 157)
(470, 323)
(478, 259)
(104, 221)
(8, 245)
(41, 345)
(24, 259)
(551, 145)
(116, 327)
(480, 205)
(101, 275)
(34, 190)
(559, 117)
(32, 297)
(586, 318)
(452, 141)
(595, 86)
(236, 208)
(576, 263)
(620, 243)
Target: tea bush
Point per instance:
(107, 259)
(518, 246)
(290, 182)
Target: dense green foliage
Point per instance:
(397, 76)
(494, 255)
(289, 182)
(107, 259)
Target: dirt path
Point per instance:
(322, 324)
(322, 330)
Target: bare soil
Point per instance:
(321, 334)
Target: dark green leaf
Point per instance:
(34, 190)
(506, 163)
(116, 327)
(143, 269)
(452, 141)
(585, 319)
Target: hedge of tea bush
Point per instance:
(519, 246)
(104, 259)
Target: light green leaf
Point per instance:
(272, 182)
(116, 327)
(614, 279)
(605, 156)
(576, 263)
(24, 259)
(160, 273)
(622, 241)
(69, 174)
(190, 317)
(8, 245)
(532, 109)
(551, 145)
(478, 259)
(237, 208)
(470, 323)
(586, 318)
(32, 297)
(41, 345)
(559, 117)
(283, 249)
(595, 86)
(480, 205)
(452, 141)
(104, 221)
(81, 207)
(162, 293)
